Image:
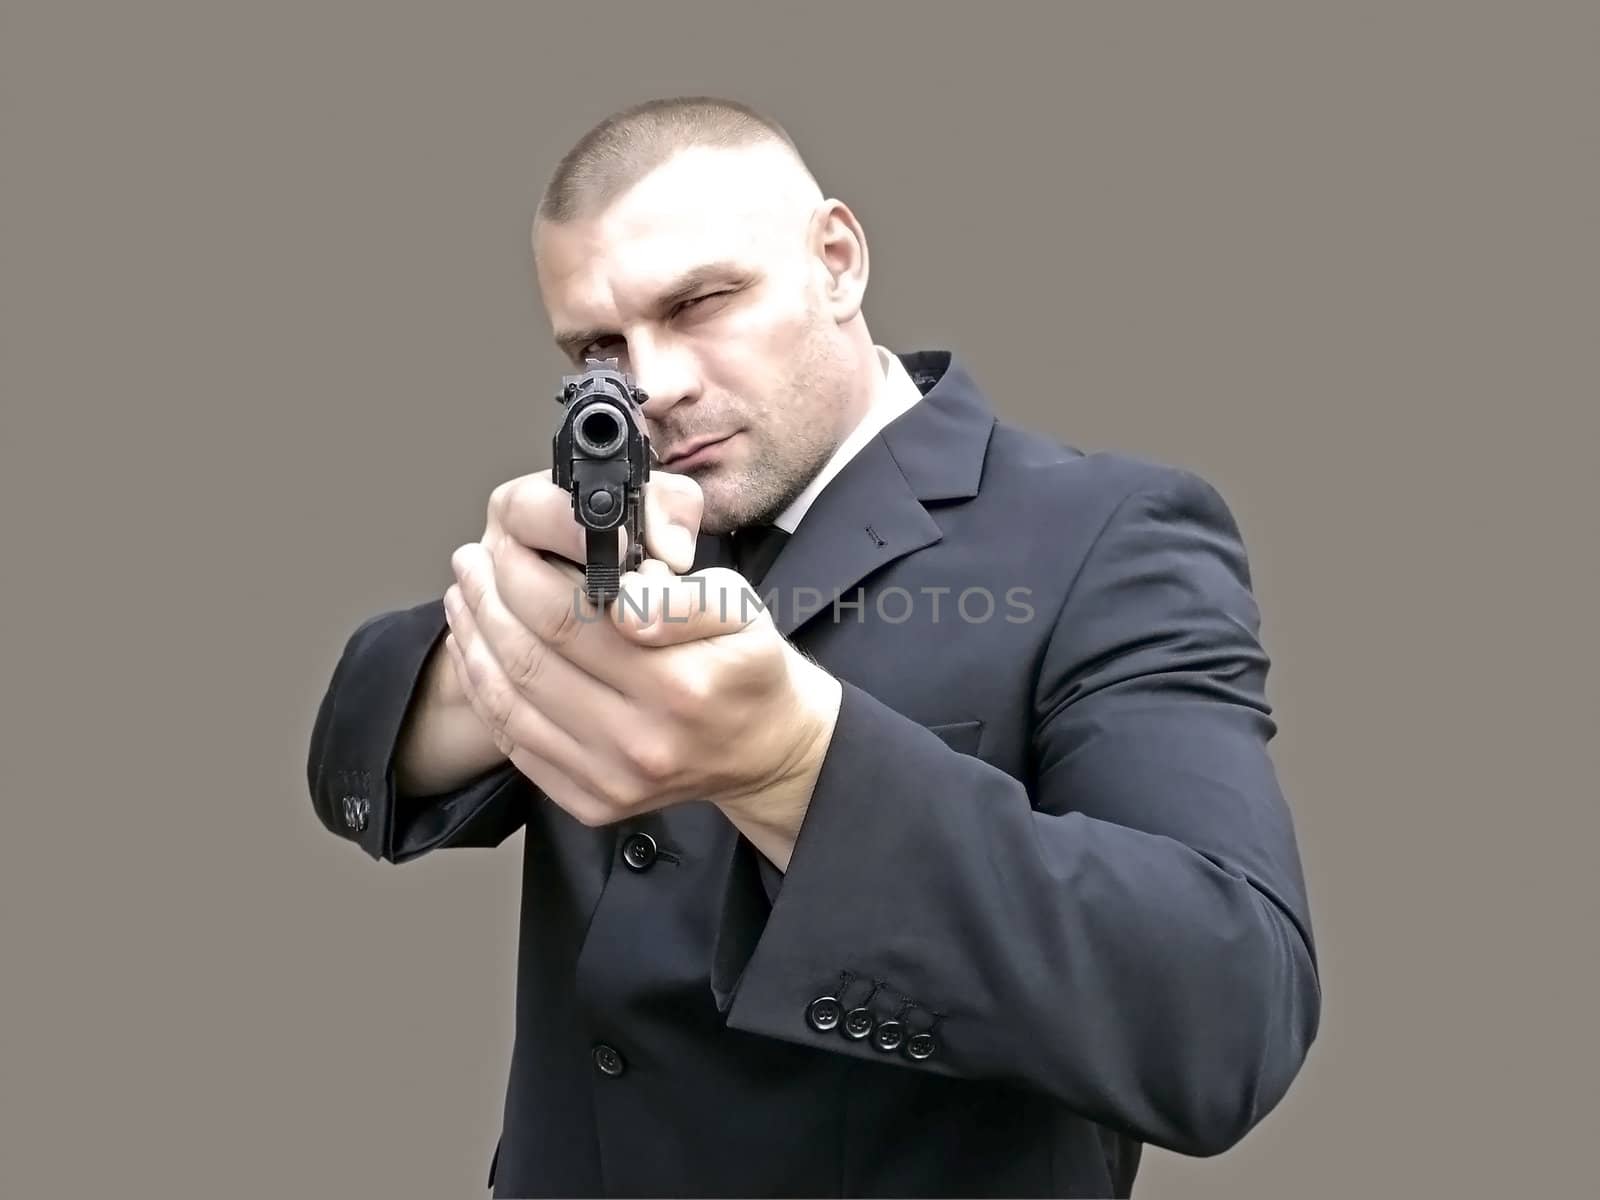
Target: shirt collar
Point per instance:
(895, 394)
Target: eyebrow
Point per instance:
(680, 289)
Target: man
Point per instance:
(959, 867)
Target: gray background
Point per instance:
(271, 337)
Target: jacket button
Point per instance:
(888, 1036)
(609, 1061)
(920, 1046)
(639, 851)
(857, 1024)
(356, 809)
(823, 1014)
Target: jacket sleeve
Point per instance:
(349, 767)
(1131, 935)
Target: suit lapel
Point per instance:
(865, 518)
(874, 510)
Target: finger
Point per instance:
(596, 758)
(631, 604)
(673, 508)
(566, 794)
(535, 512)
(559, 787)
(550, 604)
(587, 707)
(551, 780)
(532, 510)
(464, 681)
(453, 643)
(513, 722)
(607, 754)
(661, 610)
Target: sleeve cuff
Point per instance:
(356, 731)
(821, 956)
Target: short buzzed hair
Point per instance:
(629, 144)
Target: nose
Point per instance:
(666, 374)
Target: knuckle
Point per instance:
(682, 494)
(588, 785)
(527, 663)
(497, 716)
(469, 585)
(690, 690)
(559, 624)
(586, 806)
(653, 760)
(496, 722)
(633, 793)
(493, 702)
(517, 502)
(500, 500)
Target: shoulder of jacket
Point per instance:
(1034, 460)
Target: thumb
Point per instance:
(661, 609)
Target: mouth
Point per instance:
(696, 453)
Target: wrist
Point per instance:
(779, 797)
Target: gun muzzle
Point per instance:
(602, 458)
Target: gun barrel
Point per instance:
(601, 431)
(602, 457)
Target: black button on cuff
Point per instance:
(356, 810)
(608, 1061)
(823, 1014)
(858, 1024)
(639, 851)
(888, 1036)
(920, 1046)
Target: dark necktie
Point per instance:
(754, 548)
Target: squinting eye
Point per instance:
(697, 299)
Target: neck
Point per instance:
(867, 381)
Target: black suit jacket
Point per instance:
(1046, 905)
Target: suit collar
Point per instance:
(873, 511)
(939, 445)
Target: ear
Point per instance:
(840, 246)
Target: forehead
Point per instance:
(700, 207)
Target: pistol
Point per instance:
(602, 457)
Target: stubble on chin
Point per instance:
(757, 491)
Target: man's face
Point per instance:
(707, 282)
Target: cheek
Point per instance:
(747, 352)
(761, 337)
